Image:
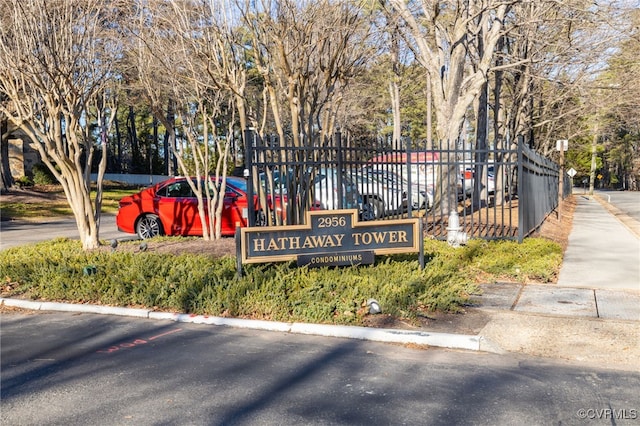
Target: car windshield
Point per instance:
(237, 183)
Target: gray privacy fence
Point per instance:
(131, 179)
(495, 193)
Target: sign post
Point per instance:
(571, 172)
(561, 145)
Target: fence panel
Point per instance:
(537, 191)
(496, 193)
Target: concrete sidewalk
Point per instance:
(604, 249)
(550, 299)
(600, 273)
(592, 315)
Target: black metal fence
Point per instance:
(539, 189)
(495, 193)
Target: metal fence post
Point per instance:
(521, 201)
(409, 182)
(339, 167)
(249, 144)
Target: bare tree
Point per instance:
(573, 80)
(621, 77)
(189, 55)
(5, 169)
(56, 59)
(550, 56)
(443, 38)
(394, 86)
(307, 51)
(545, 59)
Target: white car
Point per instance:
(326, 194)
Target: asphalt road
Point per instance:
(17, 233)
(627, 202)
(62, 368)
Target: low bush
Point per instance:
(42, 175)
(24, 182)
(60, 270)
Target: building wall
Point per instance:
(16, 158)
(22, 157)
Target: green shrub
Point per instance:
(61, 270)
(42, 175)
(24, 181)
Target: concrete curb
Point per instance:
(444, 340)
(69, 307)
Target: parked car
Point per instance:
(420, 196)
(468, 178)
(274, 182)
(326, 194)
(324, 184)
(171, 208)
(378, 195)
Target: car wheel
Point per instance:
(372, 209)
(366, 213)
(149, 226)
(261, 218)
(378, 208)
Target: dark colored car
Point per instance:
(171, 208)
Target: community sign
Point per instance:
(330, 238)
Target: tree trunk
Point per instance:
(169, 138)
(5, 168)
(429, 118)
(594, 159)
(102, 167)
(118, 145)
(136, 155)
(394, 91)
(480, 166)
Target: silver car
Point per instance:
(326, 194)
(419, 196)
(379, 196)
(323, 183)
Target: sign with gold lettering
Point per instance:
(330, 237)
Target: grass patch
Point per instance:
(111, 195)
(36, 209)
(50, 201)
(200, 284)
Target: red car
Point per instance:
(171, 208)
